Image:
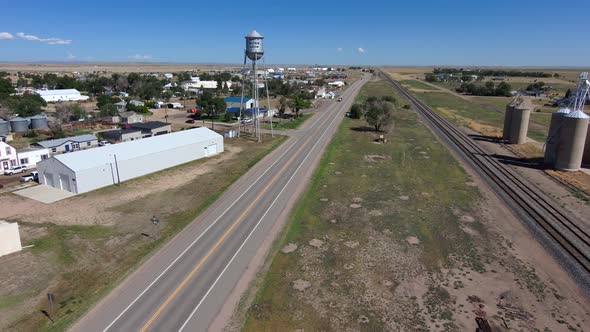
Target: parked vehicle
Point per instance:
(33, 176)
(190, 121)
(103, 143)
(15, 169)
(339, 99)
(246, 120)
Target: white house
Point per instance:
(8, 157)
(236, 102)
(338, 84)
(9, 238)
(30, 157)
(69, 144)
(330, 95)
(320, 94)
(168, 75)
(88, 170)
(61, 95)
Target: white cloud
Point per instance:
(361, 50)
(70, 56)
(140, 57)
(50, 41)
(339, 49)
(6, 35)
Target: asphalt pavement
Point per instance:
(183, 286)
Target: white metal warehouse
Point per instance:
(83, 171)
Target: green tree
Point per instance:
(5, 87)
(356, 111)
(108, 110)
(300, 103)
(26, 105)
(379, 114)
(283, 104)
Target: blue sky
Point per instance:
(453, 32)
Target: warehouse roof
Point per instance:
(57, 92)
(57, 142)
(85, 159)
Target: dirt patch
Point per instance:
(316, 243)
(375, 158)
(301, 285)
(289, 248)
(355, 206)
(412, 240)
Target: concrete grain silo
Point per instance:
(4, 127)
(19, 125)
(570, 149)
(507, 122)
(554, 135)
(586, 157)
(519, 120)
(39, 122)
(516, 120)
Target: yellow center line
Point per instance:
(217, 244)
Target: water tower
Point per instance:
(254, 51)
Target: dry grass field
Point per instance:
(398, 237)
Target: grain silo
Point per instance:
(19, 125)
(507, 122)
(4, 127)
(586, 157)
(519, 120)
(38, 122)
(570, 149)
(554, 135)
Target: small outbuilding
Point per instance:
(152, 128)
(236, 102)
(130, 117)
(9, 238)
(121, 135)
(88, 170)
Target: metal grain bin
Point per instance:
(4, 127)
(19, 125)
(39, 122)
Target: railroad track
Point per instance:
(570, 240)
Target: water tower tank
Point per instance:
(19, 125)
(4, 127)
(573, 137)
(254, 47)
(39, 122)
(554, 135)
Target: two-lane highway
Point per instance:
(183, 286)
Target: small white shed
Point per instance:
(9, 238)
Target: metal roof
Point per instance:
(254, 34)
(57, 92)
(85, 159)
(578, 115)
(149, 125)
(57, 142)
